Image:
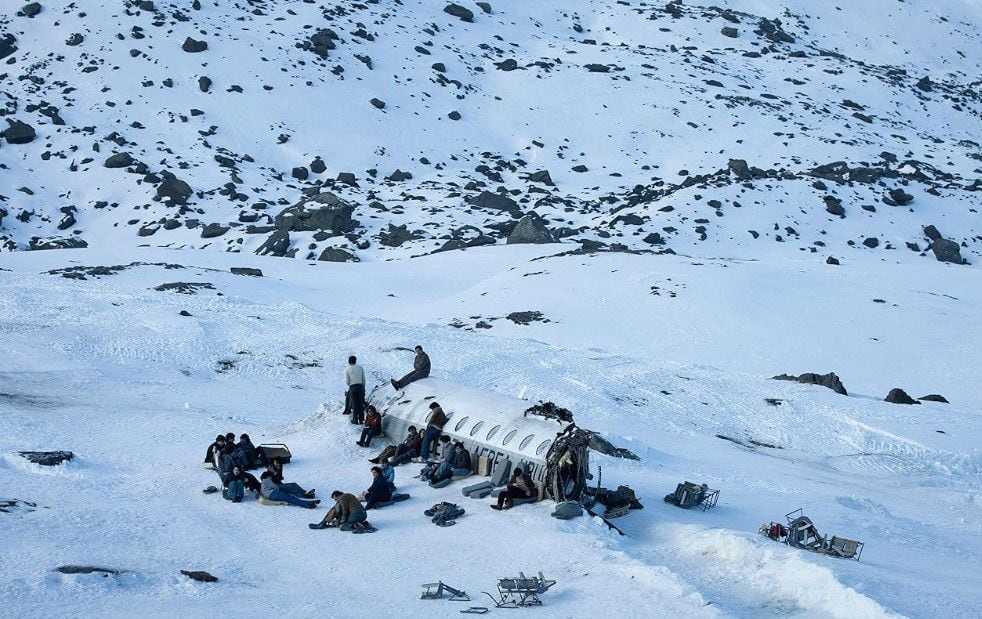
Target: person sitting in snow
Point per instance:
(446, 456)
(347, 510)
(421, 369)
(246, 453)
(388, 472)
(214, 448)
(457, 465)
(520, 486)
(276, 492)
(380, 490)
(373, 427)
(236, 485)
(403, 452)
(289, 488)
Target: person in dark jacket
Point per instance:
(373, 427)
(212, 449)
(520, 486)
(230, 442)
(406, 450)
(438, 419)
(391, 451)
(245, 453)
(289, 488)
(421, 369)
(457, 465)
(380, 491)
(236, 485)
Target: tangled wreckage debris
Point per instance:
(800, 532)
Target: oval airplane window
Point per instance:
(509, 436)
(542, 447)
(493, 431)
(477, 426)
(460, 424)
(526, 441)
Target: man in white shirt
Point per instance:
(354, 378)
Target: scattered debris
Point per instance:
(799, 532)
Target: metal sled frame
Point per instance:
(436, 591)
(801, 533)
(521, 592)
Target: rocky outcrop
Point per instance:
(336, 254)
(530, 229)
(324, 211)
(899, 396)
(47, 458)
(276, 244)
(496, 202)
(830, 380)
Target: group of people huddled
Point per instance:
(233, 460)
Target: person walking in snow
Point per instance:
(421, 369)
(354, 379)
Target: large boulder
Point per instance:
(213, 230)
(173, 190)
(119, 160)
(946, 250)
(530, 229)
(830, 380)
(394, 236)
(19, 132)
(324, 211)
(496, 202)
(7, 46)
(32, 9)
(899, 396)
(193, 46)
(37, 244)
(47, 458)
(336, 254)
(464, 14)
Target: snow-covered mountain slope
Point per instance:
(744, 129)
(108, 367)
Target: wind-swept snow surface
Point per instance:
(107, 367)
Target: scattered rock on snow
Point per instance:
(464, 14)
(88, 569)
(526, 318)
(19, 132)
(899, 396)
(530, 229)
(325, 211)
(246, 271)
(119, 160)
(200, 576)
(193, 46)
(32, 9)
(47, 458)
(934, 397)
(336, 254)
(829, 380)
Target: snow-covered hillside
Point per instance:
(744, 129)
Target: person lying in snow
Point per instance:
(421, 369)
(275, 492)
(520, 486)
(373, 427)
(380, 490)
(275, 473)
(458, 464)
(403, 452)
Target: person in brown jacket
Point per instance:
(346, 511)
(438, 419)
(520, 486)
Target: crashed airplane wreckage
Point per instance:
(542, 439)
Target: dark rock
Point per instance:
(347, 178)
(872, 242)
(193, 46)
(579, 168)
(654, 239)
(542, 176)
(213, 230)
(455, 115)
(378, 103)
(899, 396)
(740, 168)
(184, 287)
(30, 10)
(317, 166)
(19, 132)
(832, 261)
(530, 229)
(439, 67)
(277, 244)
(597, 68)
(246, 271)
(486, 7)
(399, 176)
(932, 233)
(184, 313)
(729, 31)
(145, 5)
(925, 84)
(497, 202)
(325, 211)
(7, 46)
(47, 458)
(74, 39)
(87, 569)
(204, 83)
(526, 318)
(173, 190)
(148, 230)
(772, 30)
(946, 250)
(460, 12)
(37, 244)
(336, 254)
(395, 236)
(898, 197)
(119, 160)
(834, 206)
(509, 64)
(199, 576)
(300, 173)
(934, 398)
(830, 380)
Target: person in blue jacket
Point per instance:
(380, 490)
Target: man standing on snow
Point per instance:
(354, 378)
(421, 369)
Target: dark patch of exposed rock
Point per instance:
(898, 197)
(31, 9)
(204, 83)
(325, 211)
(526, 318)
(277, 244)
(37, 244)
(399, 176)
(184, 287)
(394, 236)
(246, 271)
(729, 31)
(119, 160)
(193, 46)
(829, 380)
(509, 64)
(834, 206)
(597, 68)
(200, 576)
(47, 458)
(317, 166)
(530, 229)
(464, 14)
(378, 103)
(932, 233)
(454, 115)
(946, 250)
(74, 39)
(934, 397)
(899, 396)
(497, 202)
(872, 242)
(7, 46)
(485, 6)
(173, 190)
(87, 569)
(300, 173)
(336, 254)
(832, 261)
(213, 230)
(542, 176)
(19, 132)
(347, 178)
(740, 168)
(771, 29)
